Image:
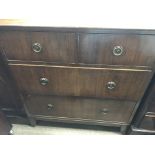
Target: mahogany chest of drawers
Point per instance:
(79, 75)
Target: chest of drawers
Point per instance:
(93, 76)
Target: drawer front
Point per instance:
(39, 46)
(80, 109)
(78, 81)
(117, 49)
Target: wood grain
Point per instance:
(98, 49)
(56, 47)
(87, 82)
(80, 108)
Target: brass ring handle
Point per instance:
(44, 81)
(104, 111)
(50, 106)
(111, 85)
(36, 47)
(118, 50)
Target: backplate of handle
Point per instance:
(44, 81)
(118, 50)
(104, 111)
(50, 106)
(37, 47)
(111, 85)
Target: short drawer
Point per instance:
(39, 46)
(80, 108)
(109, 83)
(117, 49)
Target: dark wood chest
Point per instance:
(89, 76)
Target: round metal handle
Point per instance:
(50, 106)
(36, 47)
(44, 81)
(104, 111)
(111, 85)
(118, 50)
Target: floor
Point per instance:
(62, 129)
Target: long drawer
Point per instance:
(84, 109)
(117, 49)
(39, 46)
(109, 83)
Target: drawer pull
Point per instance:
(36, 47)
(118, 50)
(104, 111)
(50, 106)
(43, 81)
(111, 85)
